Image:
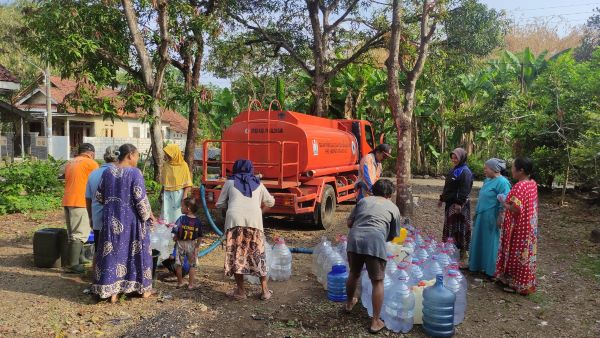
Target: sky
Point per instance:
(562, 13)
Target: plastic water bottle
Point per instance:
(336, 283)
(418, 238)
(432, 268)
(422, 254)
(332, 260)
(453, 283)
(416, 271)
(409, 244)
(443, 259)
(316, 251)
(323, 255)
(366, 292)
(398, 311)
(438, 309)
(453, 251)
(342, 246)
(281, 269)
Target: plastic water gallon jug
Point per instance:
(325, 252)
(336, 283)
(422, 254)
(316, 251)
(281, 267)
(409, 244)
(398, 311)
(366, 292)
(416, 271)
(342, 246)
(453, 282)
(332, 260)
(453, 251)
(438, 309)
(443, 259)
(432, 268)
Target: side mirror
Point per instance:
(382, 138)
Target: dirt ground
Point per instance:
(46, 302)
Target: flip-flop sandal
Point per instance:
(269, 295)
(371, 331)
(191, 288)
(180, 286)
(149, 294)
(509, 290)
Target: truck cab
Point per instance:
(363, 132)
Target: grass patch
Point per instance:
(588, 266)
(539, 298)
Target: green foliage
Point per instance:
(30, 186)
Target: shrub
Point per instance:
(30, 185)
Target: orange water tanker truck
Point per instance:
(309, 164)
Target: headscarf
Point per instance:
(496, 164)
(461, 154)
(176, 173)
(243, 177)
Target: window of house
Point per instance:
(136, 132)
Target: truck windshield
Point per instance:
(369, 136)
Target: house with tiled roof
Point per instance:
(78, 123)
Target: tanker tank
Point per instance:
(319, 145)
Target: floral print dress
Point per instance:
(517, 263)
(123, 256)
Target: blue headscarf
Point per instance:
(243, 177)
(461, 154)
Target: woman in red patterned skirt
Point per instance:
(516, 265)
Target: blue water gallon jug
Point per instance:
(438, 309)
(336, 283)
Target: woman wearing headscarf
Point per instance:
(123, 257)
(245, 199)
(177, 182)
(488, 219)
(457, 215)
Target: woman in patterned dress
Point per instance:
(123, 256)
(516, 266)
(245, 199)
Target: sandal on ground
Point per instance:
(267, 296)
(509, 290)
(179, 286)
(373, 331)
(235, 296)
(149, 294)
(191, 288)
(354, 302)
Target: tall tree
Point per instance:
(402, 107)
(469, 29)
(94, 40)
(320, 36)
(193, 21)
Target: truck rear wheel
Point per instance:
(324, 213)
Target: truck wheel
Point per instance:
(325, 211)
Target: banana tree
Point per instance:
(525, 65)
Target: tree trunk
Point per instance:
(156, 139)
(319, 96)
(190, 144)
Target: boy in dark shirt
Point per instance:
(188, 234)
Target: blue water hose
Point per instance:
(301, 250)
(215, 228)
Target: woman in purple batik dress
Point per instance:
(123, 256)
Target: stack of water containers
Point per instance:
(281, 265)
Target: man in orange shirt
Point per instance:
(77, 218)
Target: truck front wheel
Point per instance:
(325, 211)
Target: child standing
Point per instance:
(188, 234)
